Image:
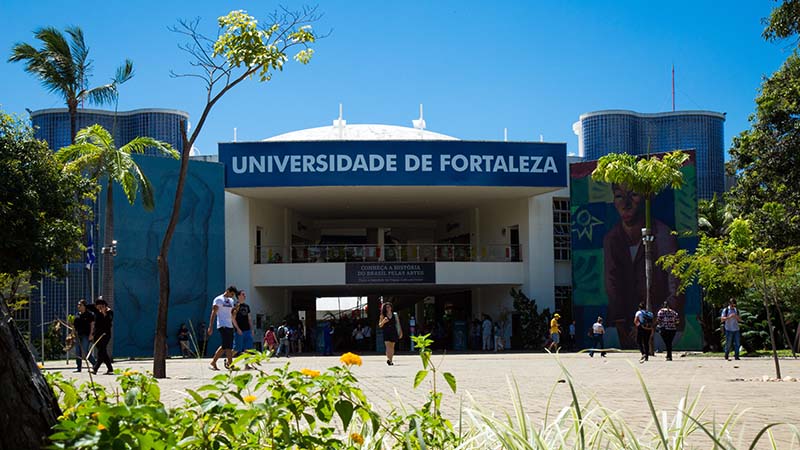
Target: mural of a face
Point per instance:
(629, 205)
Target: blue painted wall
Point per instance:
(196, 258)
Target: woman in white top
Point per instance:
(598, 330)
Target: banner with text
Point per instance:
(394, 163)
(390, 273)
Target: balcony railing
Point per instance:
(275, 254)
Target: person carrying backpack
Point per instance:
(730, 319)
(644, 328)
(283, 339)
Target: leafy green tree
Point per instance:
(765, 159)
(43, 212)
(242, 49)
(647, 177)
(735, 260)
(41, 207)
(783, 22)
(95, 153)
(63, 68)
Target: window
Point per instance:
(563, 297)
(561, 229)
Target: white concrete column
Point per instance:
(475, 234)
(539, 252)
(239, 241)
(381, 235)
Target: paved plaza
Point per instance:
(484, 376)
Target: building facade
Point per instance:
(620, 131)
(52, 125)
(196, 255)
(442, 228)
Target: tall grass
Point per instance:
(589, 425)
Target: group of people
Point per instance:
(488, 335)
(233, 324)
(92, 327)
(284, 340)
(665, 322)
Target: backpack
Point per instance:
(281, 332)
(646, 321)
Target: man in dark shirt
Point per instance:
(102, 335)
(84, 326)
(244, 336)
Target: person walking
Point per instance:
(327, 338)
(392, 332)
(270, 341)
(667, 325)
(222, 309)
(102, 335)
(244, 325)
(358, 337)
(598, 332)
(84, 328)
(486, 332)
(573, 343)
(643, 320)
(183, 341)
(283, 339)
(555, 333)
(730, 318)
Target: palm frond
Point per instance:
(130, 186)
(59, 54)
(72, 152)
(124, 72)
(141, 144)
(96, 135)
(148, 198)
(80, 55)
(91, 162)
(38, 64)
(100, 95)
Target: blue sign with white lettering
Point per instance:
(394, 163)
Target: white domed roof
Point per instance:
(362, 132)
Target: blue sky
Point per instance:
(530, 66)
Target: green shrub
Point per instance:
(307, 409)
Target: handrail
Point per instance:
(313, 253)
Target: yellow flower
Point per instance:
(94, 415)
(127, 373)
(357, 438)
(249, 398)
(310, 373)
(101, 427)
(40, 366)
(350, 359)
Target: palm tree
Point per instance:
(647, 177)
(713, 217)
(95, 153)
(64, 67)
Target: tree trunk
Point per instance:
(769, 323)
(72, 107)
(108, 257)
(28, 407)
(788, 339)
(160, 341)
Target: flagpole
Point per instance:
(66, 306)
(41, 313)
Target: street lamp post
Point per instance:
(647, 240)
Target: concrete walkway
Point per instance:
(611, 380)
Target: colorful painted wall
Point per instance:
(608, 257)
(197, 255)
